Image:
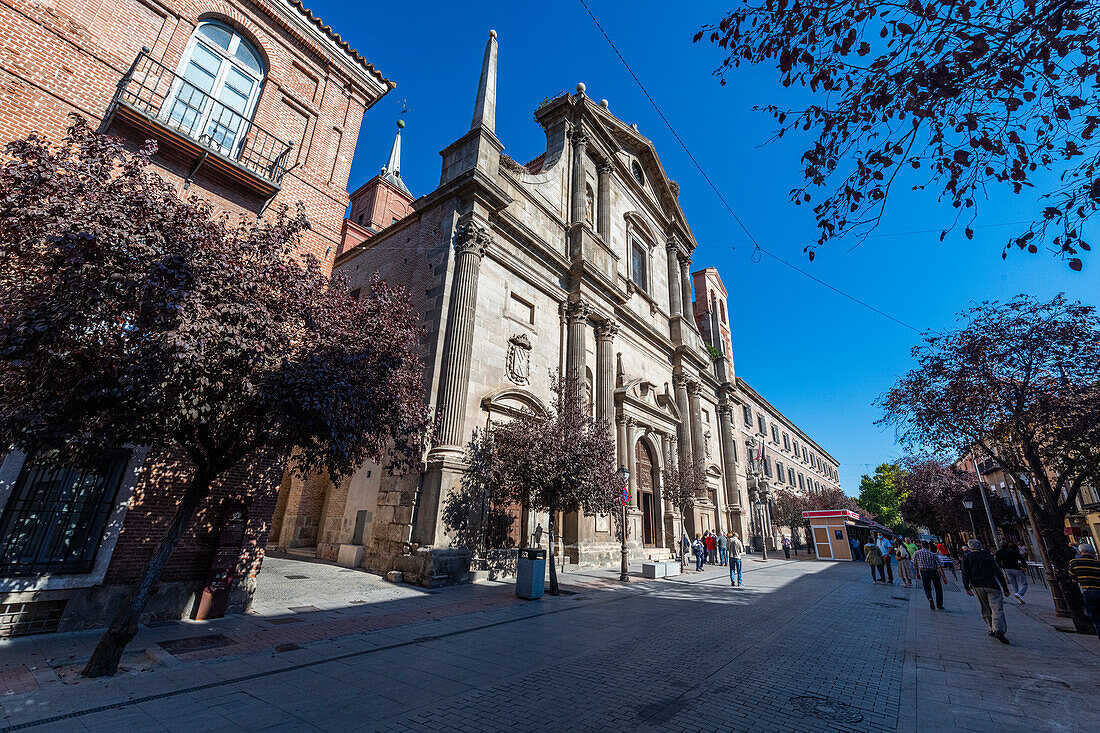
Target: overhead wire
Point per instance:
(758, 248)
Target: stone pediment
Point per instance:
(645, 397)
(511, 401)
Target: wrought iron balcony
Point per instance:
(158, 100)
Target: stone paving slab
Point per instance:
(806, 646)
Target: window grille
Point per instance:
(55, 517)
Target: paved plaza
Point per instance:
(805, 646)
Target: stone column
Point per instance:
(605, 371)
(698, 449)
(729, 463)
(580, 152)
(603, 211)
(683, 404)
(685, 284)
(659, 493)
(672, 246)
(470, 242)
(620, 439)
(632, 460)
(576, 316)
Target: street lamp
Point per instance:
(624, 477)
(969, 504)
(761, 524)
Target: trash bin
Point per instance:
(531, 573)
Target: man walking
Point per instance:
(886, 547)
(856, 555)
(873, 555)
(787, 546)
(1085, 571)
(736, 550)
(1008, 557)
(927, 565)
(981, 576)
(723, 548)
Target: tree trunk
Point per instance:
(124, 627)
(1060, 555)
(553, 571)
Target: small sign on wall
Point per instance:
(839, 534)
(603, 523)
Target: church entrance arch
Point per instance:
(644, 470)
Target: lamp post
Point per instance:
(624, 476)
(969, 504)
(985, 501)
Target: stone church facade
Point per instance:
(577, 262)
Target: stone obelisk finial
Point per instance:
(485, 108)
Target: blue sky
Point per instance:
(816, 356)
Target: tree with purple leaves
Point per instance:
(1018, 383)
(131, 317)
(961, 97)
(559, 462)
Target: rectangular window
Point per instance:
(767, 467)
(638, 266)
(796, 449)
(706, 416)
(775, 434)
(790, 476)
(801, 482)
(748, 415)
(805, 455)
(55, 517)
(786, 442)
(779, 471)
(762, 424)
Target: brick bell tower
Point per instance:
(380, 202)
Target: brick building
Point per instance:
(576, 262)
(253, 104)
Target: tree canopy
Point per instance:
(1017, 383)
(958, 96)
(563, 461)
(881, 494)
(131, 317)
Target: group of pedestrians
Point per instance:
(881, 552)
(716, 548)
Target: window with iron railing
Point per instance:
(55, 517)
(211, 99)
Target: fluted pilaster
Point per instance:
(603, 213)
(576, 318)
(675, 308)
(470, 242)
(698, 449)
(605, 370)
(729, 461)
(580, 153)
(685, 285)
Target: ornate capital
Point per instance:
(672, 243)
(605, 167)
(630, 422)
(725, 409)
(577, 311)
(685, 261)
(580, 140)
(694, 388)
(607, 329)
(679, 380)
(472, 238)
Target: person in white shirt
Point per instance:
(886, 547)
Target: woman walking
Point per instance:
(905, 564)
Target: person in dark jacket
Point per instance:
(982, 577)
(1010, 560)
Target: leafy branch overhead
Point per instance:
(958, 94)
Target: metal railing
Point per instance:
(152, 88)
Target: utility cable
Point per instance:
(718, 193)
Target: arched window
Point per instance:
(217, 85)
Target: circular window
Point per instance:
(636, 169)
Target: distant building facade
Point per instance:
(577, 262)
(253, 105)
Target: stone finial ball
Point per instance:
(492, 34)
(400, 123)
(580, 87)
(603, 103)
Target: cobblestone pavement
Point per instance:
(806, 646)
